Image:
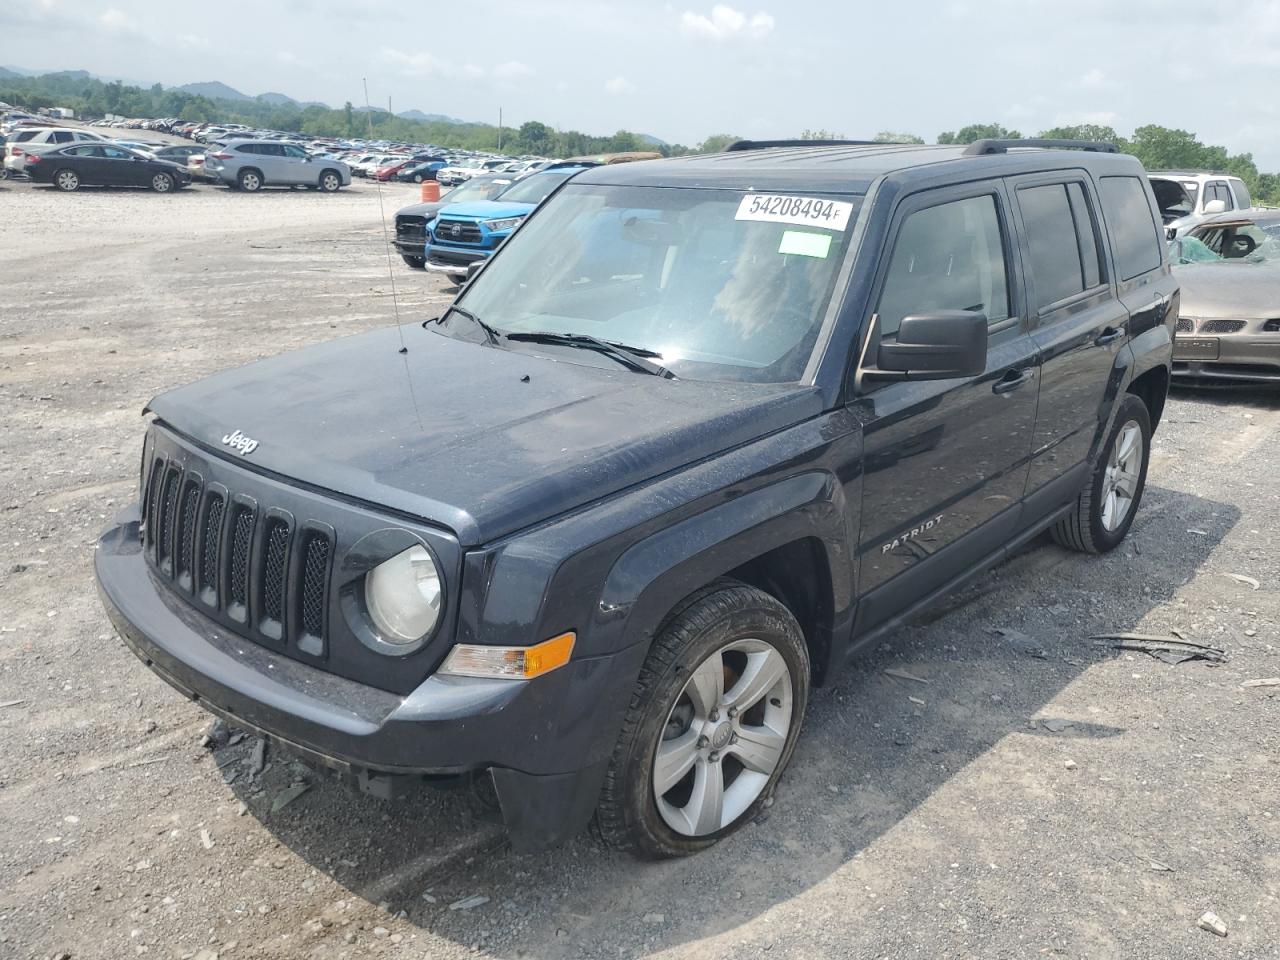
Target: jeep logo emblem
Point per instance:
(455, 230)
(238, 441)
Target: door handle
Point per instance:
(1108, 335)
(1011, 381)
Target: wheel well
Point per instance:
(1152, 388)
(797, 575)
(243, 170)
(329, 170)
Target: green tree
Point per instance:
(534, 137)
(889, 136)
(821, 135)
(978, 131)
(717, 142)
(1084, 131)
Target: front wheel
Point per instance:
(711, 726)
(67, 180)
(330, 181)
(418, 263)
(162, 183)
(1105, 510)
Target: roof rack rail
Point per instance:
(981, 148)
(741, 145)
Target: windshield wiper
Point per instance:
(634, 358)
(492, 333)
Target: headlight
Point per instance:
(498, 226)
(403, 596)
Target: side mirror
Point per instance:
(473, 268)
(937, 346)
(1215, 206)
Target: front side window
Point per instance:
(117, 153)
(715, 289)
(296, 152)
(1136, 237)
(947, 257)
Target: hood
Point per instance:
(487, 210)
(450, 433)
(1241, 289)
(428, 210)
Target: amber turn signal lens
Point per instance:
(516, 663)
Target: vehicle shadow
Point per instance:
(1256, 396)
(971, 672)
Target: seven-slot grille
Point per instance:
(457, 231)
(254, 567)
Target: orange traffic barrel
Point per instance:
(430, 191)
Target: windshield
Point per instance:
(1176, 200)
(536, 188)
(718, 284)
(1254, 242)
(481, 188)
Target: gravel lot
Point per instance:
(1034, 794)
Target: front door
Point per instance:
(945, 460)
(297, 165)
(118, 167)
(1078, 325)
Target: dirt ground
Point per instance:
(1032, 794)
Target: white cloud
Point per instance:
(288, 58)
(114, 21)
(619, 85)
(414, 64)
(1095, 79)
(471, 70)
(192, 41)
(725, 22)
(512, 69)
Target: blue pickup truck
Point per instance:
(464, 233)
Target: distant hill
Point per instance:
(276, 99)
(650, 140)
(7, 74)
(214, 90)
(421, 117)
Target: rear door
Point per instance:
(1078, 325)
(945, 461)
(88, 162)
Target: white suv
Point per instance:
(19, 141)
(1186, 199)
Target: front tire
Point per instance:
(330, 181)
(1106, 507)
(67, 181)
(162, 183)
(711, 726)
(418, 263)
(250, 181)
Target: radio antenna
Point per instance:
(382, 215)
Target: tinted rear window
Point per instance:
(1135, 237)
(1051, 237)
(1243, 200)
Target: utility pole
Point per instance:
(499, 129)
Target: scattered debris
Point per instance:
(258, 759)
(1170, 649)
(1022, 642)
(1157, 865)
(1262, 682)
(903, 675)
(206, 841)
(917, 701)
(655, 918)
(235, 738)
(288, 795)
(469, 903)
(1198, 533)
(216, 735)
(429, 898)
(1056, 725)
(1070, 764)
(149, 760)
(12, 703)
(1241, 578)
(1212, 922)
(381, 932)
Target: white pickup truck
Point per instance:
(1187, 198)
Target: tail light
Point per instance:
(33, 158)
(220, 156)
(15, 151)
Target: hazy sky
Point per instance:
(684, 70)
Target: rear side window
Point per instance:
(249, 148)
(25, 135)
(948, 257)
(1135, 236)
(1244, 201)
(60, 136)
(1086, 234)
(1051, 239)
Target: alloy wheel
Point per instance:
(161, 183)
(1120, 482)
(724, 738)
(67, 180)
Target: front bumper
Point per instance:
(540, 739)
(1241, 358)
(451, 260)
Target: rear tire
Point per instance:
(67, 181)
(249, 180)
(1106, 507)
(330, 181)
(712, 723)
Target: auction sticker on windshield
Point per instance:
(805, 211)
